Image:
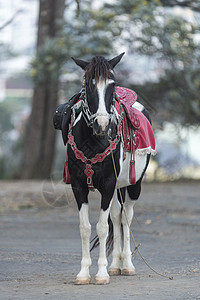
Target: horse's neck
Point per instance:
(88, 143)
(81, 131)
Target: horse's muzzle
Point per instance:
(101, 127)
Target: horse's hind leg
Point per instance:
(132, 194)
(115, 214)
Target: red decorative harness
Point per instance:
(99, 157)
(139, 136)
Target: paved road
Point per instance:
(40, 244)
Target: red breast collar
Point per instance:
(99, 157)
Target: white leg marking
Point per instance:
(115, 214)
(102, 276)
(128, 268)
(83, 276)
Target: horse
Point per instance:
(94, 145)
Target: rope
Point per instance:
(131, 233)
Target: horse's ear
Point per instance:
(81, 63)
(113, 62)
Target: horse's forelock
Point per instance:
(98, 69)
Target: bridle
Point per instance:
(91, 117)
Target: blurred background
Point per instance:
(161, 39)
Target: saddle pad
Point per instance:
(144, 136)
(126, 95)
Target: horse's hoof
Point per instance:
(101, 280)
(128, 272)
(80, 280)
(114, 271)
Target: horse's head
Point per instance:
(98, 89)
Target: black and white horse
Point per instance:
(94, 126)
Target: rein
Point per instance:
(88, 116)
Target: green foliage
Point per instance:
(49, 59)
(172, 42)
(148, 28)
(5, 117)
(93, 32)
(175, 96)
(5, 127)
(11, 149)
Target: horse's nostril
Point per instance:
(99, 130)
(102, 122)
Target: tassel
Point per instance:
(66, 175)
(132, 176)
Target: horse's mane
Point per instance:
(98, 69)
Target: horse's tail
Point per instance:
(109, 241)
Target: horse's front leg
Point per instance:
(83, 276)
(81, 195)
(102, 276)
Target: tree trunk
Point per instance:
(40, 135)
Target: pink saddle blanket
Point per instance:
(144, 136)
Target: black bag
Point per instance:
(62, 116)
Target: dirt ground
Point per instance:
(40, 246)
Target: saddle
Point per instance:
(125, 98)
(134, 122)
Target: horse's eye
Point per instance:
(110, 81)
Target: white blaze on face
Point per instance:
(102, 114)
